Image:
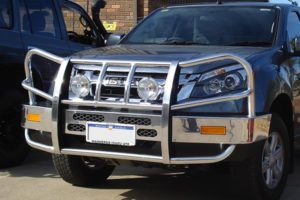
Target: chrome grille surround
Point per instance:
(113, 117)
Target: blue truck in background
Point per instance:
(44, 24)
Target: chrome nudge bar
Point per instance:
(52, 114)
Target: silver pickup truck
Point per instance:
(189, 86)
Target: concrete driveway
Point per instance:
(37, 179)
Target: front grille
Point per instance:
(114, 79)
(76, 127)
(135, 121)
(147, 133)
(88, 117)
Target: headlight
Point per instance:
(80, 85)
(148, 89)
(219, 81)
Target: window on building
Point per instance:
(78, 27)
(5, 14)
(42, 18)
(293, 26)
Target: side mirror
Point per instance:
(114, 39)
(296, 45)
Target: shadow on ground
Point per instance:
(131, 183)
(37, 165)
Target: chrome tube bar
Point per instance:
(116, 155)
(204, 160)
(36, 145)
(123, 62)
(134, 106)
(28, 72)
(100, 81)
(26, 84)
(128, 82)
(166, 112)
(150, 158)
(56, 102)
(221, 57)
(212, 100)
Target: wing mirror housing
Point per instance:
(114, 39)
(296, 46)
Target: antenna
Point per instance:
(219, 2)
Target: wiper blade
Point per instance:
(179, 41)
(250, 43)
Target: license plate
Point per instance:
(112, 134)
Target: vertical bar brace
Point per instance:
(128, 82)
(100, 81)
(166, 112)
(55, 104)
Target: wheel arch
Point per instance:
(283, 106)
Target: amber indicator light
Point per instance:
(213, 130)
(33, 117)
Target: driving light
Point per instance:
(148, 89)
(80, 85)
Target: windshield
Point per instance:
(200, 25)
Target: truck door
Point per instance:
(81, 31)
(40, 26)
(11, 46)
(293, 63)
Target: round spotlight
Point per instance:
(148, 89)
(80, 86)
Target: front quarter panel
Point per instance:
(271, 81)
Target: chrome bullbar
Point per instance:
(51, 115)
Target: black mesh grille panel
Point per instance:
(147, 133)
(88, 117)
(135, 121)
(76, 127)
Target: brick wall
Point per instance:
(119, 14)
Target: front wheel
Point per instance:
(82, 171)
(264, 175)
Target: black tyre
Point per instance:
(264, 175)
(13, 146)
(82, 171)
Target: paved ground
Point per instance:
(37, 179)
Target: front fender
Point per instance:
(270, 82)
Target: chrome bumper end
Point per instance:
(238, 130)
